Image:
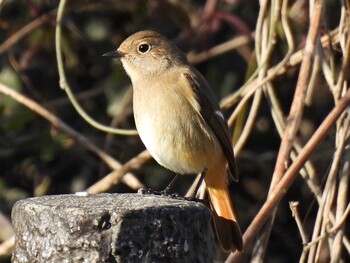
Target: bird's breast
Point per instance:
(173, 131)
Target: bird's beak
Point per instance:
(114, 54)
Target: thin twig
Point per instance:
(342, 185)
(295, 213)
(281, 68)
(261, 71)
(114, 177)
(81, 96)
(65, 86)
(12, 40)
(220, 49)
(59, 124)
(291, 174)
(124, 110)
(7, 246)
(267, 29)
(342, 134)
(334, 229)
(297, 106)
(249, 124)
(346, 51)
(323, 212)
(342, 200)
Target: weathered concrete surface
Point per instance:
(112, 228)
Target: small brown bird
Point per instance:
(180, 122)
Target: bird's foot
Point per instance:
(166, 193)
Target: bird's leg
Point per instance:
(199, 182)
(165, 192)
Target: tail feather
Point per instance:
(228, 233)
(225, 220)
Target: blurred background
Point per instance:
(38, 158)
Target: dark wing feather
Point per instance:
(208, 106)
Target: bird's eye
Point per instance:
(144, 48)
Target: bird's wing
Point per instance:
(211, 113)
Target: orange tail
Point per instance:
(225, 220)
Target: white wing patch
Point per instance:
(220, 115)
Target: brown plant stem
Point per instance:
(288, 178)
(59, 124)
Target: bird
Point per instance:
(180, 122)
